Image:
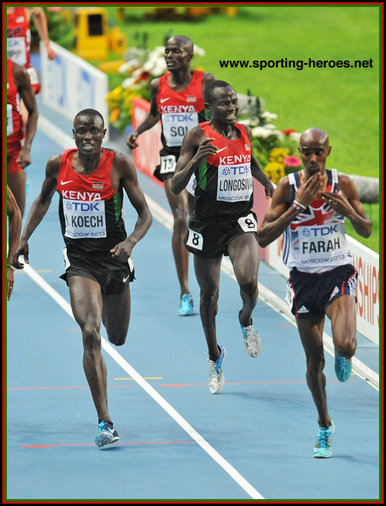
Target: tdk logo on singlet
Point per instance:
(83, 206)
(319, 231)
(236, 170)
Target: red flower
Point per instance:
(144, 76)
(288, 131)
(292, 161)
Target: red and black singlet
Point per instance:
(180, 110)
(18, 36)
(14, 122)
(224, 181)
(90, 211)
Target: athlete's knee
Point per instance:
(209, 298)
(250, 288)
(91, 337)
(117, 338)
(315, 363)
(347, 347)
(180, 224)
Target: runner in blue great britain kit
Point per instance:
(310, 207)
(219, 154)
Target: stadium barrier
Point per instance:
(70, 84)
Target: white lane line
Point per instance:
(228, 468)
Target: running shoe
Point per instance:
(186, 305)
(342, 367)
(252, 341)
(106, 435)
(323, 444)
(216, 377)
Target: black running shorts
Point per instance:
(210, 239)
(309, 294)
(112, 274)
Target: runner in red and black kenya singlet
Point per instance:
(224, 181)
(180, 110)
(89, 209)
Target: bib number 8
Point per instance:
(248, 223)
(195, 240)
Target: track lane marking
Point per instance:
(214, 454)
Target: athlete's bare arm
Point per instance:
(151, 118)
(38, 209)
(125, 175)
(195, 148)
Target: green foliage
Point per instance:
(60, 28)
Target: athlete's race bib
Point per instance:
(248, 223)
(235, 183)
(16, 50)
(191, 186)
(175, 126)
(195, 240)
(324, 245)
(167, 164)
(9, 120)
(84, 219)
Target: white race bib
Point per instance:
(235, 183)
(175, 126)
(84, 219)
(248, 223)
(168, 164)
(195, 240)
(9, 120)
(322, 245)
(191, 186)
(16, 50)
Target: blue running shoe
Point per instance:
(252, 341)
(106, 435)
(216, 377)
(323, 445)
(343, 367)
(186, 305)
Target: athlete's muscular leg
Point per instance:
(343, 325)
(86, 304)
(208, 277)
(16, 182)
(311, 334)
(116, 316)
(179, 207)
(244, 254)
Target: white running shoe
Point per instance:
(216, 376)
(252, 341)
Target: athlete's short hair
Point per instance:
(89, 112)
(184, 41)
(209, 91)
